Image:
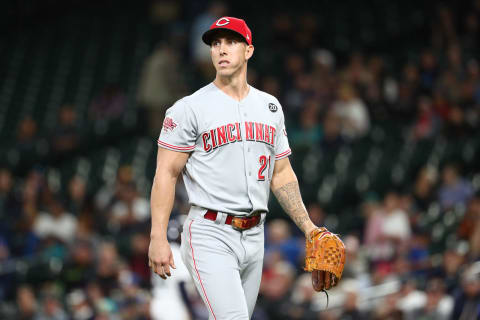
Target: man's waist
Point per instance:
(236, 210)
(237, 222)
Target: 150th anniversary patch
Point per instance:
(273, 107)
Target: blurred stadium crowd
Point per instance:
(382, 104)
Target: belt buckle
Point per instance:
(238, 223)
(243, 223)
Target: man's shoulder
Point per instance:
(267, 97)
(192, 100)
(199, 95)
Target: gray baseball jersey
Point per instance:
(234, 146)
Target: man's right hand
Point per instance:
(160, 257)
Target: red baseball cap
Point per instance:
(228, 23)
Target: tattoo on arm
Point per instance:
(290, 199)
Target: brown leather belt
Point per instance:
(237, 223)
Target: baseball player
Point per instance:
(228, 140)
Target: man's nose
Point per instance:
(223, 48)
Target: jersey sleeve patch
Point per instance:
(169, 124)
(179, 129)
(284, 154)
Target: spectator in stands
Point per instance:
(108, 104)
(375, 103)
(106, 194)
(403, 93)
(279, 239)
(130, 209)
(316, 213)
(352, 111)
(467, 300)
(51, 309)
(423, 190)
(451, 85)
(449, 270)
(27, 135)
(356, 73)
(427, 122)
(101, 304)
(9, 204)
(410, 299)
(387, 228)
(79, 268)
(134, 301)
(55, 223)
(455, 126)
(428, 71)
(27, 305)
(77, 194)
(275, 290)
(107, 267)
(441, 104)
(438, 305)
(309, 132)
(161, 84)
(164, 12)
(332, 138)
(469, 228)
(25, 241)
(373, 240)
(136, 259)
(323, 77)
(88, 223)
(455, 190)
(66, 136)
(6, 189)
(418, 253)
(301, 300)
(387, 309)
(79, 306)
(469, 38)
(470, 91)
(350, 309)
(271, 85)
(298, 82)
(357, 266)
(395, 225)
(455, 61)
(283, 30)
(6, 281)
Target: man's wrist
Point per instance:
(158, 235)
(309, 228)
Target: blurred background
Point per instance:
(382, 107)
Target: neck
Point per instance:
(235, 86)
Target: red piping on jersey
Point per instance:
(285, 153)
(196, 270)
(161, 143)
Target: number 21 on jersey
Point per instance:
(264, 165)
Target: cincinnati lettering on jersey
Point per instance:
(232, 132)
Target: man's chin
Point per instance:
(225, 72)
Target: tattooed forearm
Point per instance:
(290, 199)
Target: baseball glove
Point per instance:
(325, 258)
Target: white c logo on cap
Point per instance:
(220, 23)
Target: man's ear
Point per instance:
(249, 52)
